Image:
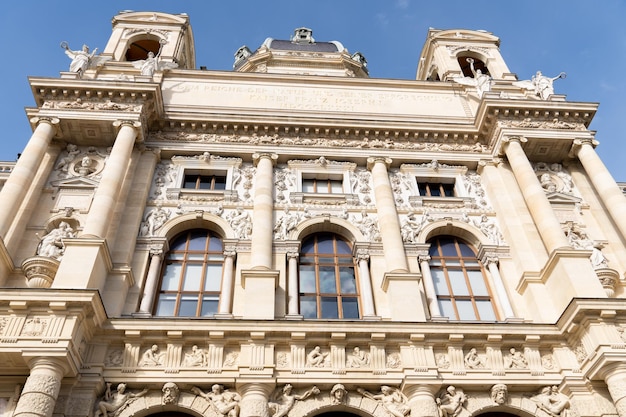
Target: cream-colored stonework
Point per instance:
(298, 144)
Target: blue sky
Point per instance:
(585, 39)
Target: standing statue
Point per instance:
(392, 400)
(152, 63)
(542, 86)
(450, 402)
(224, 402)
(481, 81)
(115, 402)
(82, 59)
(283, 400)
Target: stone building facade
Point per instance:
(294, 238)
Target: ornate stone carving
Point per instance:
(392, 400)
(499, 393)
(358, 358)
(288, 222)
(115, 357)
(515, 360)
(243, 181)
(580, 352)
(231, 360)
(195, 357)
(284, 183)
(451, 402)
(368, 225)
(241, 222)
(152, 357)
(473, 360)
(338, 394)
(442, 360)
(411, 226)
(360, 185)
(51, 245)
(552, 401)
(547, 361)
(115, 403)
(223, 402)
(170, 393)
(164, 178)
(40, 271)
(554, 178)
(283, 400)
(317, 359)
(490, 229)
(475, 190)
(154, 220)
(394, 360)
(34, 326)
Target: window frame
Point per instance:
(455, 266)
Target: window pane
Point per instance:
(448, 247)
(188, 306)
(308, 307)
(350, 307)
(213, 280)
(477, 281)
(343, 248)
(457, 282)
(215, 244)
(197, 241)
(328, 283)
(190, 181)
(195, 257)
(165, 305)
(179, 243)
(307, 246)
(466, 250)
(209, 305)
(330, 308)
(448, 189)
(336, 187)
(205, 182)
(171, 277)
(485, 310)
(439, 279)
(434, 190)
(220, 183)
(347, 280)
(446, 309)
(466, 310)
(307, 279)
(308, 186)
(193, 276)
(325, 244)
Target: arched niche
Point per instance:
(140, 45)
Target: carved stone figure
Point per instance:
(542, 85)
(152, 357)
(224, 402)
(552, 401)
(286, 224)
(450, 402)
(499, 393)
(392, 400)
(154, 221)
(472, 360)
(170, 393)
(358, 358)
(368, 226)
(515, 360)
(481, 81)
(490, 229)
(80, 58)
(114, 403)
(152, 63)
(241, 223)
(283, 400)
(51, 245)
(316, 358)
(338, 394)
(64, 162)
(197, 357)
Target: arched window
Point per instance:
(459, 280)
(192, 275)
(327, 279)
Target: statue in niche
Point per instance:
(338, 394)
(358, 358)
(197, 357)
(241, 222)
(481, 81)
(224, 402)
(51, 245)
(499, 393)
(115, 403)
(552, 401)
(152, 63)
(283, 400)
(170, 393)
(542, 85)
(473, 360)
(316, 358)
(450, 402)
(152, 357)
(515, 360)
(392, 400)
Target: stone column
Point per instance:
(387, 216)
(254, 399)
(293, 290)
(263, 220)
(152, 281)
(421, 400)
(365, 280)
(226, 297)
(615, 378)
(540, 209)
(429, 287)
(492, 264)
(17, 185)
(42, 388)
(105, 199)
(603, 182)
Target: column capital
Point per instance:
(495, 161)
(52, 121)
(507, 140)
(372, 160)
(578, 143)
(423, 256)
(292, 255)
(490, 257)
(362, 255)
(230, 252)
(256, 157)
(131, 123)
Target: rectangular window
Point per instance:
(435, 189)
(214, 182)
(322, 186)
